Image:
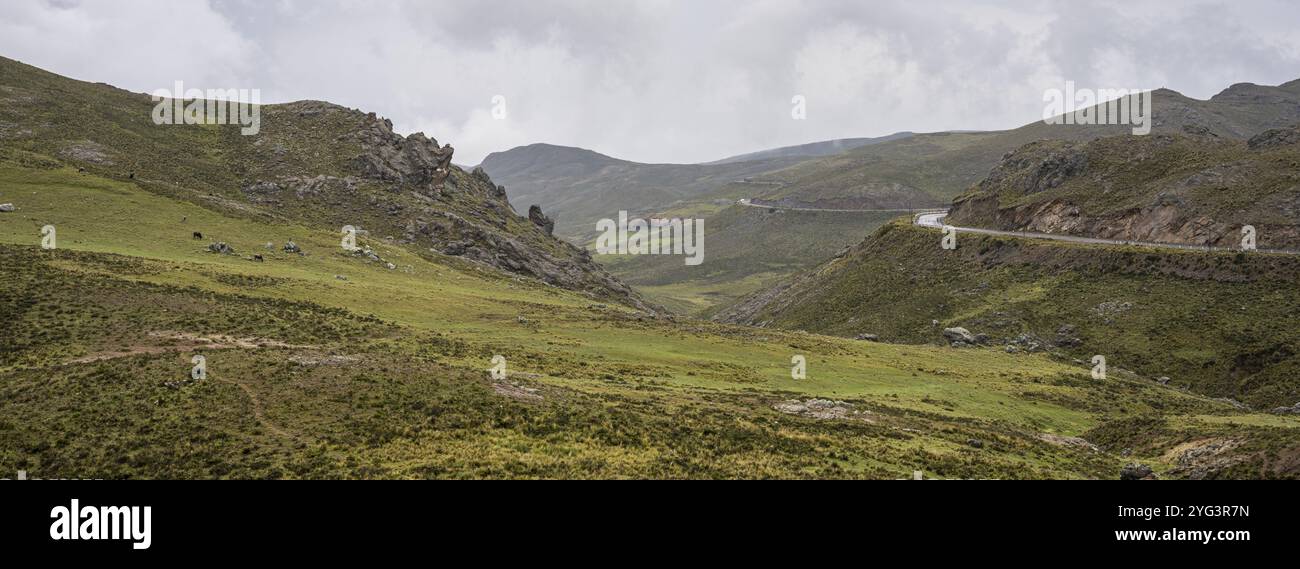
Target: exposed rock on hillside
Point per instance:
(1160, 188)
(312, 163)
(537, 217)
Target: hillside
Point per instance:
(814, 149)
(747, 249)
(917, 172)
(1198, 190)
(578, 187)
(328, 365)
(324, 363)
(312, 162)
(928, 169)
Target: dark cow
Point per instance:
(257, 258)
(198, 235)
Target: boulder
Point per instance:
(221, 248)
(539, 219)
(7, 207)
(1292, 410)
(1135, 471)
(958, 335)
(291, 247)
(868, 337)
(1275, 137)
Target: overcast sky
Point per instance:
(662, 80)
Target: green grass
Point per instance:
(1207, 321)
(622, 395)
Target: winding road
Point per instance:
(934, 219)
(746, 202)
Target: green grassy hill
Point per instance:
(1171, 189)
(749, 251)
(312, 162)
(329, 364)
(384, 374)
(746, 249)
(579, 187)
(1213, 323)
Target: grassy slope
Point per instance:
(622, 395)
(578, 187)
(1216, 184)
(923, 170)
(1210, 322)
(746, 249)
(110, 133)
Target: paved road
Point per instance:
(746, 202)
(935, 220)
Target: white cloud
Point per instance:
(661, 80)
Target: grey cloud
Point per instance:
(662, 80)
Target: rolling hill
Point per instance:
(1208, 320)
(920, 171)
(320, 362)
(1197, 190)
(933, 168)
(578, 187)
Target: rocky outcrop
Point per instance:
(406, 189)
(1274, 138)
(221, 248)
(1184, 190)
(416, 160)
(1135, 471)
(539, 219)
(958, 336)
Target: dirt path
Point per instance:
(178, 342)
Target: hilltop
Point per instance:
(1209, 321)
(325, 363)
(936, 167)
(312, 162)
(579, 187)
(1198, 190)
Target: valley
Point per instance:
(461, 339)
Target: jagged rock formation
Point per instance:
(537, 217)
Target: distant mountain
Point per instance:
(578, 187)
(933, 168)
(1209, 321)
(813, 149)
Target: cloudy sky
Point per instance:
(662, 80)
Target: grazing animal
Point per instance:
(198, 235)
(257, 258)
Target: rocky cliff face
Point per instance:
(1185, 189)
